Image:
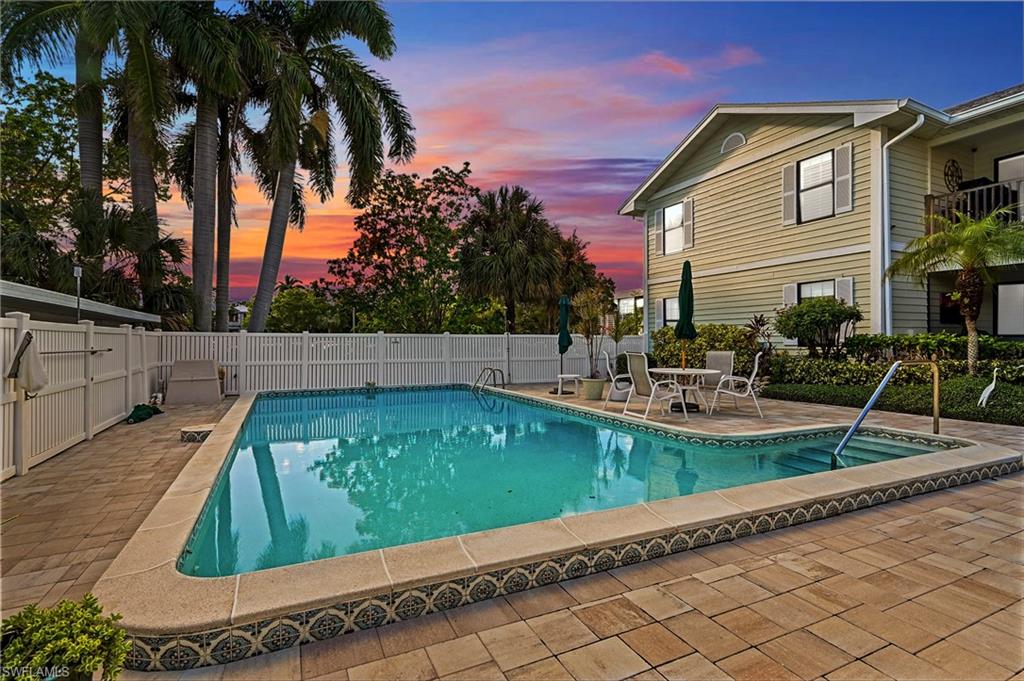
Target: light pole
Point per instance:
(78, 293)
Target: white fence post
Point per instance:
(127, 328)
(18, 436)
(508, 357)
(446, 356)
(304, 378)
(141, 333)
(380, 357)
(88, 365)
(243, 361)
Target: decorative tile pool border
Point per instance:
(229, 644)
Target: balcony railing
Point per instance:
(977, 202)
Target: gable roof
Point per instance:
(862, 111)
(986, 99)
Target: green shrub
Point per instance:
(867, 347)
(819, 324)
(739, 339)
(622, 366)
(958, 398)
(804, 370)
(72, 635)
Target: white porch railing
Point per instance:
(89, 392)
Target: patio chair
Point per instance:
(738, 386)
(621, 383)
(662, 392)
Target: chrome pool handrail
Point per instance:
(863, 413)
(493, 372)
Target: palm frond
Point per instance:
(36, 33)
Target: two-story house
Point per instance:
(774, 203)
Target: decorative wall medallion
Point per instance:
(953, 174)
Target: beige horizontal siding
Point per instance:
(738, 219)
(733, 298)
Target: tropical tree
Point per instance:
(403, 262)
(35, 32)
(972, 246)
(509, 250)
(209, 48)
(314, 77)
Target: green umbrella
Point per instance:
(564, 337)
(685, 330)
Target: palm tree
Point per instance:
(313, 77)
(35, 32)
(208, 48)
(509, 250)
(972, 246)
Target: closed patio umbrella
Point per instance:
(564, 337)
(685, 330)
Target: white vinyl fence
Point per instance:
(97, 374)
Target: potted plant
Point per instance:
(71, 640)
(590, 307)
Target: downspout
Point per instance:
(887, 224)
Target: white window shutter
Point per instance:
(659, 231)
(789, 194)
(688, 223)
(844, 293)
(659, 313)
(789, 296)
(843, 169)
(844, 290)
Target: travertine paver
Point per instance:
(927, 587)
(822, 628)
(66, 520)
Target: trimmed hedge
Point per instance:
(866, 347)
(741, 340)
(958, 398)
(803, 370)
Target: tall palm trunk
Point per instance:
(225, 188)
(89, 108)
(970, 288)
(143, 184)
(204, 208)
(274, 248)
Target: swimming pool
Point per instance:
(317, 475)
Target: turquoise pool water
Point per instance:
(320, 475)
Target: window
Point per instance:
(816, 289)
(815, 189)
(674, 228)
(627, 306)
(733, 141)
(1010, 309)
(1010, 168)
(671, 311)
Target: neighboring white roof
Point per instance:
(23, 298)
(863, 112)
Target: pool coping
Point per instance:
(179, 622)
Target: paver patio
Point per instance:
(929, 587)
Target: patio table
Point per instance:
(692, 375)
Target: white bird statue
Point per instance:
(987, 392)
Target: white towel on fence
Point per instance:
(31, 375)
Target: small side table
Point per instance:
(575, 378)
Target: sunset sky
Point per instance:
(579, 101)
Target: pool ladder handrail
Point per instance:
(836, 459)
(493, 373)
